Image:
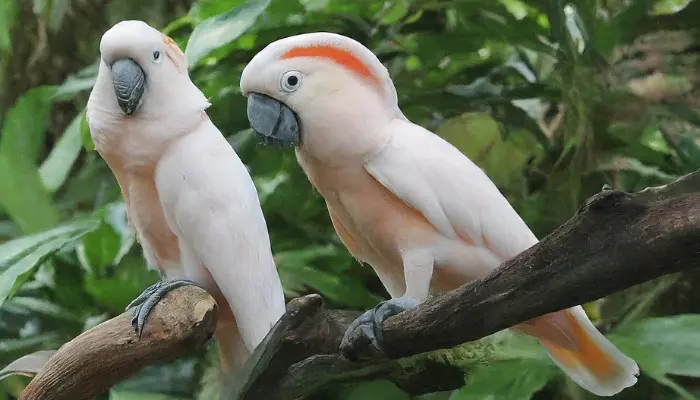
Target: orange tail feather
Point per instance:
(582, 352)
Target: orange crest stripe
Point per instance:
(170, 42)
(339, 56)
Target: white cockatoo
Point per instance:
(189, 198)
(401, 198)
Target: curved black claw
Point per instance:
(366, 329)
(146, 301)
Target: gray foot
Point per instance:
(147, 300)
(367, 328)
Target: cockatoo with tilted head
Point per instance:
(189, 198)
(401, 198)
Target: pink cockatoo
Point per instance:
(189, 198)
(401, 198)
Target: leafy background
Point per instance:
(552, 98)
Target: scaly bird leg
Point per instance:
(147, 300)
(367, 328)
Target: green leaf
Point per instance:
(477, 135)
(20, 257)
(55, 169)
(24, 198)
(12, 349)
(339, 288)
(395, 12)
(101, 247)
(222, 29)
(25, 125)
(667, 345)
(115, 290)
(507, 380)
(28, 365)
(40, 307)
(80, 82)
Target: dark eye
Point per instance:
(156, 56)
(291, 80)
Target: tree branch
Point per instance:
(181, 323)
(616, 240)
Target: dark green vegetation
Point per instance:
(553, 99)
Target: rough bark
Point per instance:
(110, 352)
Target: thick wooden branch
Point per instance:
(110, 352)
(311, 333)
(615, 241)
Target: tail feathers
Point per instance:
(583, 353)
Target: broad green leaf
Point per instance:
(28, 365)
(115, 287)
(339, 288)
(477, 135)
(107, 245)
(21, 246)
(670, 345)
(222, 29)
(19, 258)
(204, 9)
(54, 170)
(25, 125)
(507, 380)
(12, 349)
(44, 308)
(395, 12)
(101, 247)
(648, 360)
(24, 198)
(80, 81)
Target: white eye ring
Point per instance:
(290, 82)
(157, 56)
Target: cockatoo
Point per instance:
(189, 198)
(402, 199)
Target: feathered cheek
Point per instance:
(177, 63)
(175, 55)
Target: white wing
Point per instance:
(452, 192)
(212, 204)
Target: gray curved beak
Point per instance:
(273, 122)
(128, 79)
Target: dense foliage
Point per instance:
(553, 99)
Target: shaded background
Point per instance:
(552, 98)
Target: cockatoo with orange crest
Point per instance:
(401, 198)
(189, 198)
